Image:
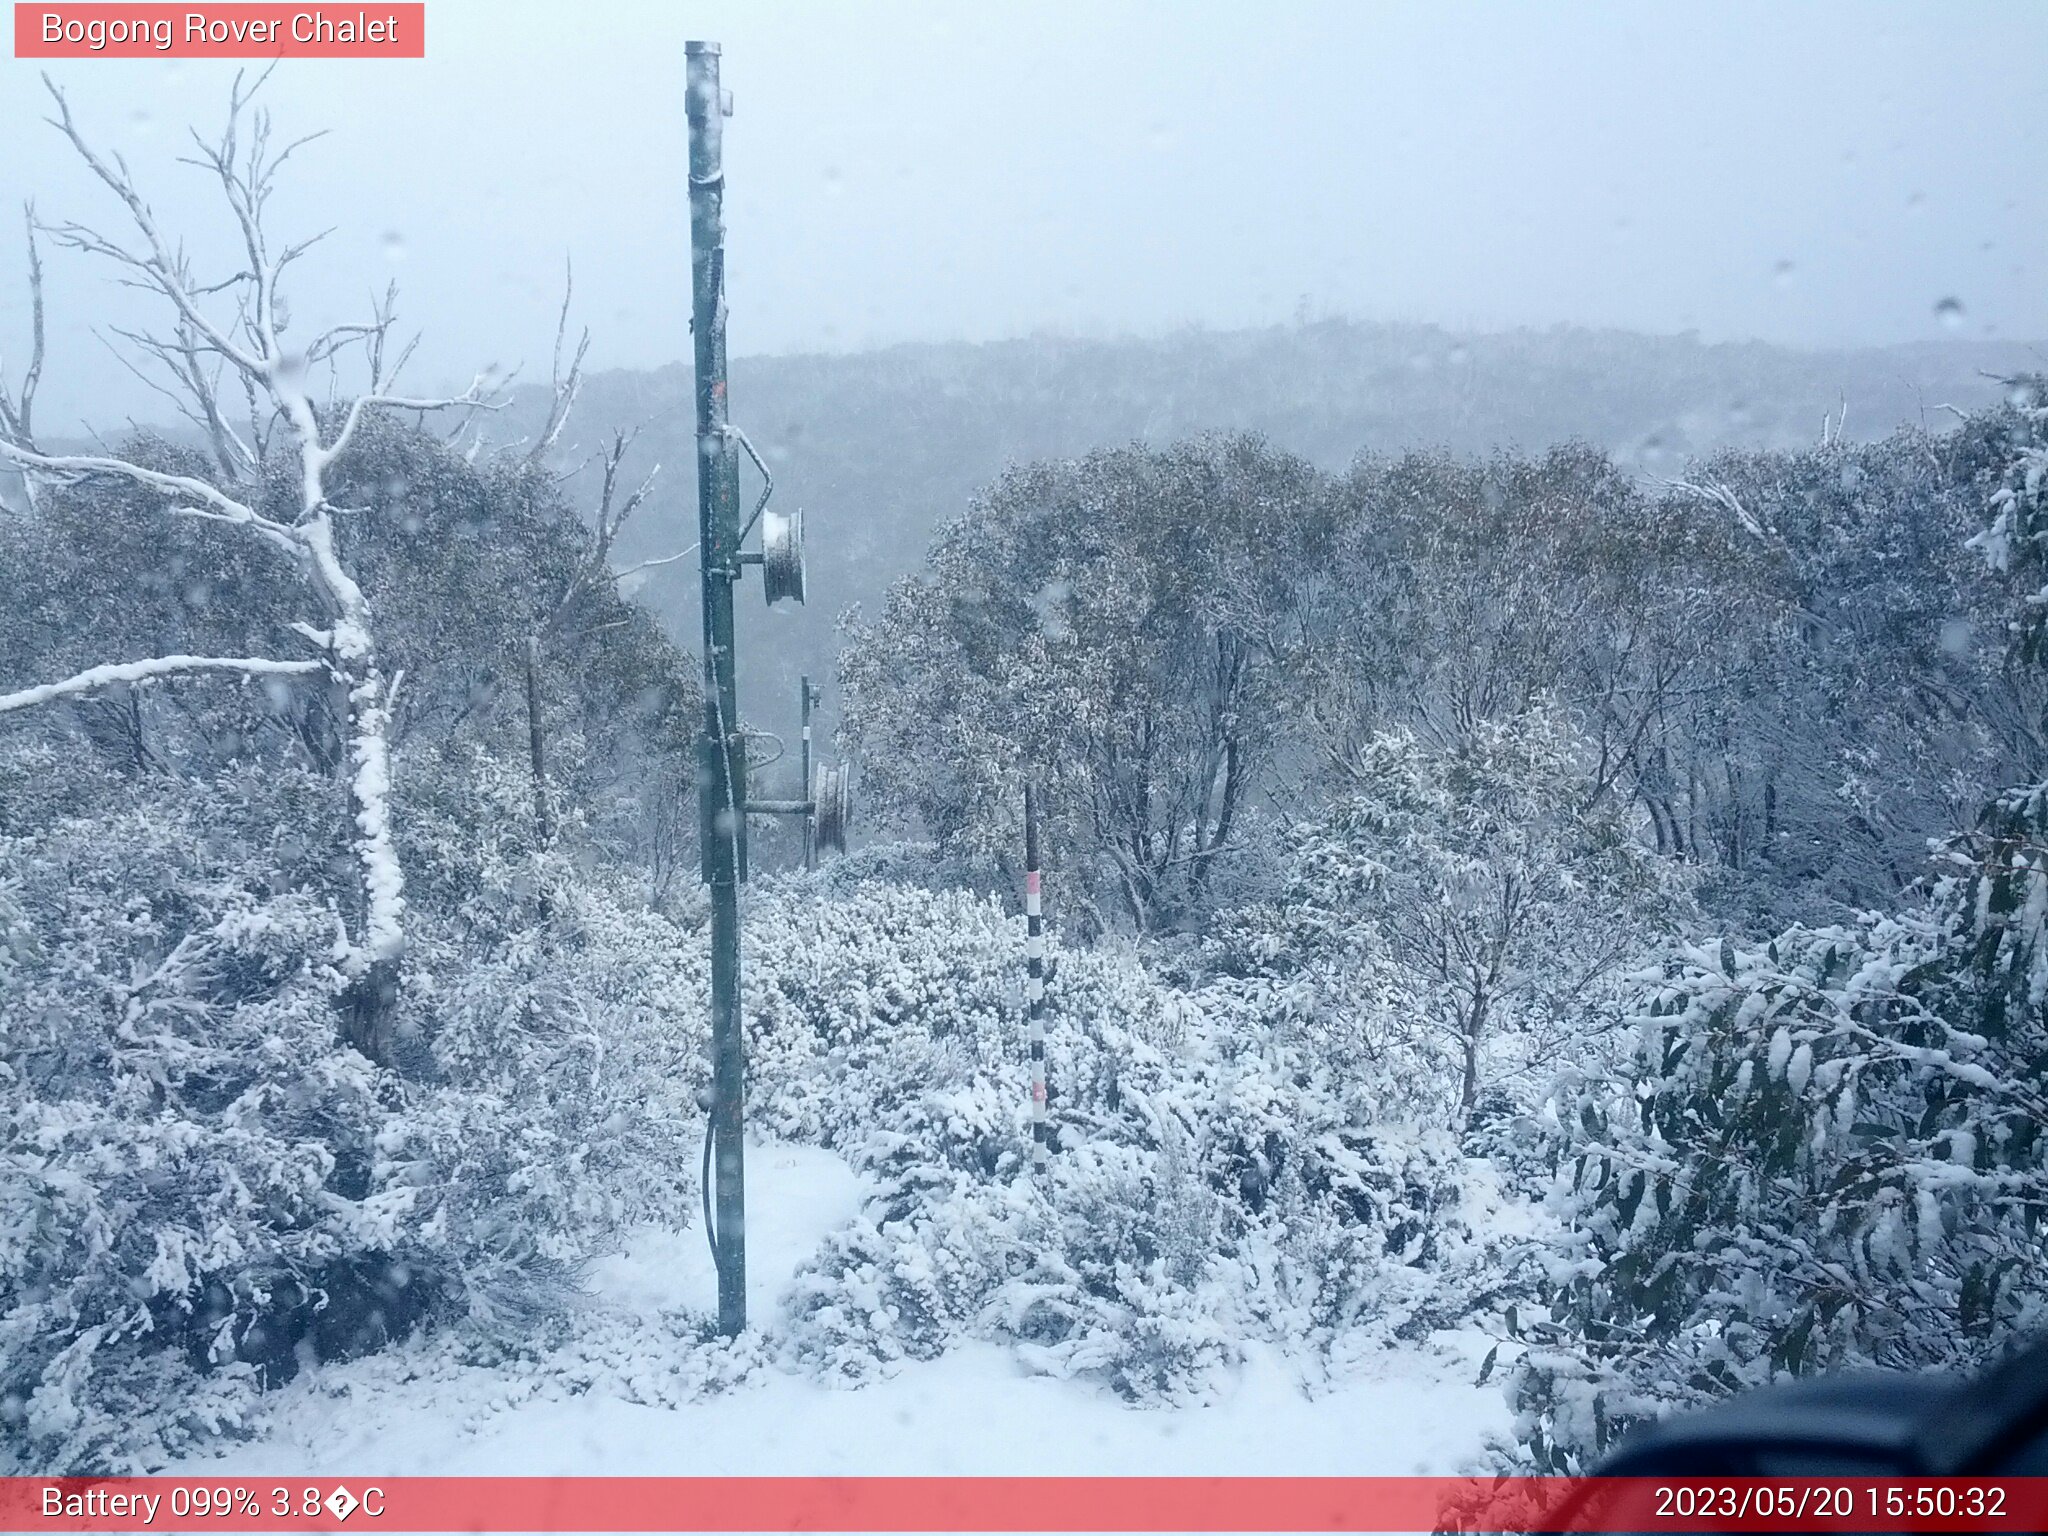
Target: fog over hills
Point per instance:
(880, 448)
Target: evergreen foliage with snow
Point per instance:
(203, 1185)
(1824, 1150)
(1215, 1180)
(1422, 841)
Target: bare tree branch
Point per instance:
(17, 412)
(218, 505)
(649, 565)
(162, 268)
(566, 386)
(607, 524)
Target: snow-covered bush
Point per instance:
(183, 1142)
(855, 1007)
(1826, 1150)
(1211, 1182)
(202, 1188)
(1827, 1154)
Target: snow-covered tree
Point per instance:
(1070, 628)
(2015, 544)
(205, 1184)
(1477, 879)
(1826, 1149)
(235, 332)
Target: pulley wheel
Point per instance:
(832, 794)
(782, 555)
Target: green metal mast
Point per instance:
(722, 761)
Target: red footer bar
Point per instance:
(1021, 1504)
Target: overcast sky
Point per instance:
(1798, 173)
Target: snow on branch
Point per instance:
(1719, 493)
(17, 411)
(218, 505)
(234, 329)
(113, 673)
(479, 396)
(566, 386)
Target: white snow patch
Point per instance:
(796, 1196)
(976, 1411)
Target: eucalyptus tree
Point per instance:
(270, 478)
(1071, 627)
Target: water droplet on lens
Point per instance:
(394, 245)
(1950, 313)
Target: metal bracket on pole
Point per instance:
(807, 700)
(779, 808)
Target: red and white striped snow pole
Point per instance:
(1034, 984)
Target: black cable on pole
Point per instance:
(704, 1188)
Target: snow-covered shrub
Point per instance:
(183, 1142)
(201, 1188)
(1207, 1175)
(908, 1276)
(1124, 1281)
(1826, 1149)
(1826, 1154)
(561, 1047)
(1109, 1268)
(855, 1007)
(928, 865)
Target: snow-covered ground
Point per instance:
(419, 1411)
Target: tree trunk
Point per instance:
(375, 961)
(1474, 1031)
(537, 745)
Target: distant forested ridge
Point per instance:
(881, 448)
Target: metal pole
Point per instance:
(721, 764)
(1034, 984)
(811, 818)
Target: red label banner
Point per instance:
(243, 31)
